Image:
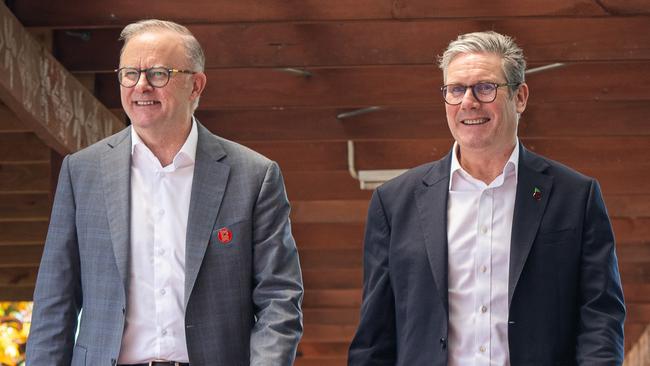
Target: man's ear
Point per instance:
(199, 80)
(521, 98)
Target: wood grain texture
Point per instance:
(28, 206)
(9, 122)
(45, 96)
(590, 114)
(355, 87)
(546, 40)
(541, 119)
(79, 13)
(22, 146)
(25, 177)
(22, 231)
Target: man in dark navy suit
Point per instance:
(493, 255)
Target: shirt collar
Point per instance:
(185, 156)
(510, 165)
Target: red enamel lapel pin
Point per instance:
(225, 235)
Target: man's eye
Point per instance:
(457, 89)
(484, 88)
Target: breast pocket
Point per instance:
(556, 237)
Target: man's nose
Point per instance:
(143, 83)
(469, 101)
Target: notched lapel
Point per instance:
(116, 171)
(431, 201)
(528, 212)
(208, 188)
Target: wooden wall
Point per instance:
(25, 187)
(591, 114)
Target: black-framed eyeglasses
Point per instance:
(157, 77)
(483, 92)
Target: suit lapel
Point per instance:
(528, 212)
(208, 187)
(116, 171)
(431, 201)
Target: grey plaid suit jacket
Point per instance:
(242, 299)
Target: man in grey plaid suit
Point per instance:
(174, 242)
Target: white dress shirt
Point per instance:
(160, 201)
(479, 227)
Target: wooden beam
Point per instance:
(313, 211)
(635, 273)
(541, 119)
(628, 205)
(22, 147)
(625, 7)
(78, 13)
(544, 40)
(44, 95)
(339, 360)
(9, 122)
(22, 231)
(25, 177)
(28, 206)
(355, 87)
(319, 235)
(21, 254)
(328, 279)
(577, 152)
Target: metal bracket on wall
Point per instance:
(369, 179)
(298, 72)
(358, 112)
(544, 68)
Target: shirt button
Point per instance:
(483, 269)
(483, 309)
(161, 251)
(484, 229)
(162, 292)
(164, 332)
(481, 349)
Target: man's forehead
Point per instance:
(475, 62)
(154, 46)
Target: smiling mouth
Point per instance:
(145, 103)
(476, 121)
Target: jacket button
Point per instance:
(443, 343)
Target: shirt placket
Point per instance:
(483, 272)
(161, 276)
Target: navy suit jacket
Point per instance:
(565, 299)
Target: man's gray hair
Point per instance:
(194, 51)
(513, 63)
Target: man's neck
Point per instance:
(165, 145)
(484, 165)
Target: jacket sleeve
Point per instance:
(57, 298)
(375, 340)
(277, 280)
(602, 309)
